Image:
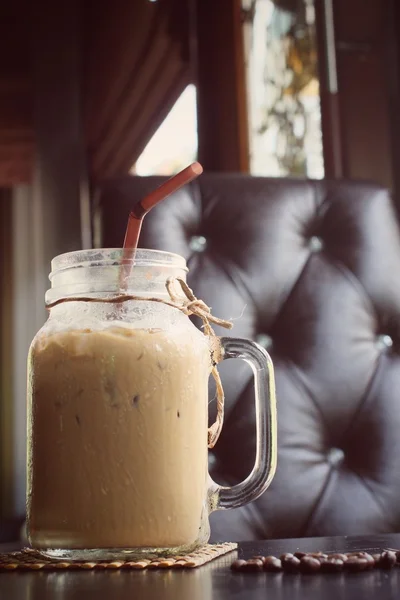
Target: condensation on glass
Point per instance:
(283, 88)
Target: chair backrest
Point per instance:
(310, 269)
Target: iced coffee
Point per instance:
(118, 441)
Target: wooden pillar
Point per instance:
(393, 75)
(221, 87)
(328, 79)
(359, 93)
(60, 182)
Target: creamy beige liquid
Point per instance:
(118, 449)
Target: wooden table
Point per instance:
(215, 581)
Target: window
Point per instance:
(283, 88)
(174, 145)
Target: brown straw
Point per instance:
(142, 208)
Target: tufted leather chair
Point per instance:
(311, 270)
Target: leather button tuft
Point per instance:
(197, 243)
(315, 244)
(384, 341)
(264, 340)
(335, 456)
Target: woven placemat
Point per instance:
(28, 559)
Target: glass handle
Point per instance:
(266, 452)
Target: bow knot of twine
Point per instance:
(196, 305)
(185, 301)
(191, 305)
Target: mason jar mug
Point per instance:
(118, 414)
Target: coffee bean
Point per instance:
(377, 558)
(370, 560)
(387, 560)
(331, 565)
(290, 564)
(318, 555)
(286, 555)
(366, 555)
(300, 555)
(237, 565)
(360, 554)
(338, 555)
(308, 564)
(354, 564)
(259, 557)
(272, 564)
(252, 565)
